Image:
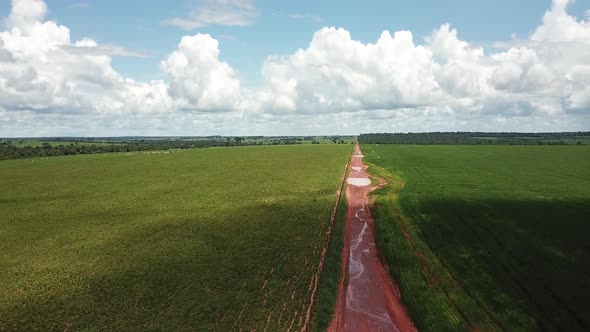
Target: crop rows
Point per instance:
(214, 239)
(486, 237)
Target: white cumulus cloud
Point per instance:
(198, 78)
(545, 75)
(51, 85)
(336, 73)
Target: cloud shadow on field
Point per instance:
(173, 272)
(533, 254)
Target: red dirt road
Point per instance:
(370, 301)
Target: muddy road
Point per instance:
(370, 300)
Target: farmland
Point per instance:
(487, 237)
(22, 148)
(195, 239)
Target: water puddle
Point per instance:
(359, 182)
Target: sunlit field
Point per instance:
(207, 239)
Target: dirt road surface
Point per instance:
(370, 300)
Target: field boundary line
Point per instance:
(315, 278)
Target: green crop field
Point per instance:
(491, 237)
(207, 239)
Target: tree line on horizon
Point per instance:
(477, 138)
(50, 147)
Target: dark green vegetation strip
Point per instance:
(21, 149)
(210, 239)
(478, 138)
(40, 148)
(330, 277)
(493, 237)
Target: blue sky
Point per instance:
(201, 67)
(136, 24)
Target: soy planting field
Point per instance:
(487, 237)
(208, 239)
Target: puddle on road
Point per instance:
(359, 182)
(358, 156)
(356, 168)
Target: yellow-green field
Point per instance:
(192, 240)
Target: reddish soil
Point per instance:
(370, 301)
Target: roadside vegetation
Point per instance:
(486, 237)
(329, 281)
(212, 239)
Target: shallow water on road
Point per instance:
(359, 182)
(369, 300)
